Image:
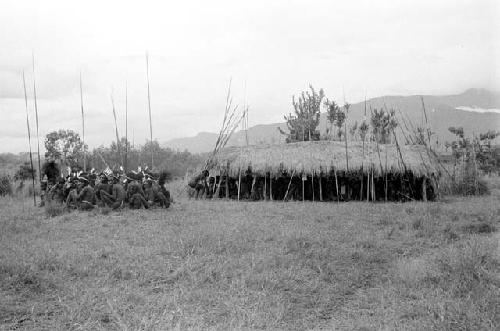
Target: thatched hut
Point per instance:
(324, 170)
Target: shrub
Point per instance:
(5, 185)
(464, 186)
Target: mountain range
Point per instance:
(476, 110)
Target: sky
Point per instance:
(270, 50)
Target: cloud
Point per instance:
(276, 47)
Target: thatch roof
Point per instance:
(314, 156)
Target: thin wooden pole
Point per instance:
(320, 187)
(29, 141)
(217, 186)
(126, 126)
(374, 198)
(270, 187)
(149, 109)
(252, 192)
(426, 122)
(239, 184)
(346, 107)
(476, 188)
(303, 195)
(289, 183)
(386, 182)
(245, 115)
(265, 186)
(424, 188)
(363, 159)
(367, 186)
(337, 186)
(116, 130)
(371, 183)
(361, 187)
(83, 125)
(36, 116)
(312, 184)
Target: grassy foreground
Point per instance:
(253, 265)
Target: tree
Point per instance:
(65, 146)
(331, 115)
(353, 129)
(363, 130)
(383, 123)
(341, 120)
(303, 123)
(488, 136)
(486, 156)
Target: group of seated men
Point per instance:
(115, 191)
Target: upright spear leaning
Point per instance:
(126, 127)
(36, 114)
(149, 109)
(29, 139)
(83, 125)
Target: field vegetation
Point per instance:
(211, 265)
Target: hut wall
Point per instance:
(399, 187)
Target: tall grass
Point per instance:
(5, 185)
(212, 265)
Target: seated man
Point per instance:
(56, 192)
(117, 198)
(199, 183)
(86, 197)
(71, 190)
(154, 194)
(102, 185)
(136, 197)
(81, 195)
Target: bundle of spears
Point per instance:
(231, 121)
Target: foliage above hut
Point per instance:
(303, 123)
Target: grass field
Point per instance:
(253, 265)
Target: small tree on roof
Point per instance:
(383, 123)
(331, 115)
(303, 123)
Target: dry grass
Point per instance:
(255, 265)
(313, 157)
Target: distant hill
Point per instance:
(442, 113)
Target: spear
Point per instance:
(245, 121)
(29, 139)
(346, 107)
(126, 126)
(36, 114)
(116, 129)
(83, 125)
(426, 122)
(149, 108)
